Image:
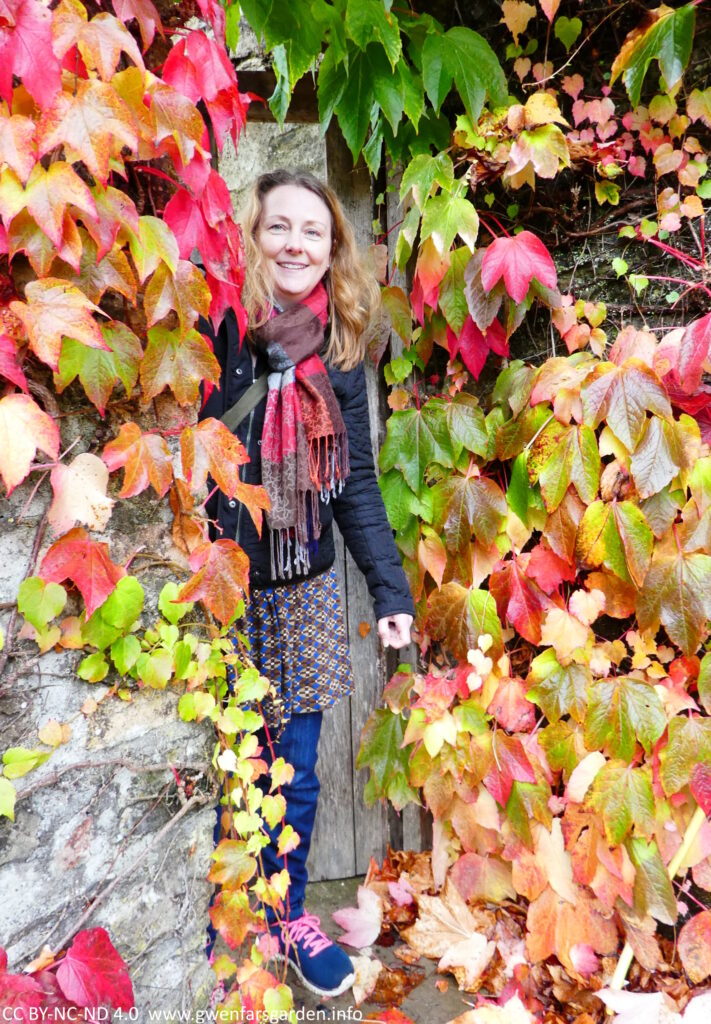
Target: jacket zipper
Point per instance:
(243, 469)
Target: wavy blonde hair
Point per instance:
(354, 296)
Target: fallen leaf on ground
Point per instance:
(407, 955)
(362, 924)
(394, 984)
(640, 1007)
(448, 931)
(512, 1012)
(366, 975)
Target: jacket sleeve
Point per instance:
(360, 513)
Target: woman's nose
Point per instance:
(293, 242)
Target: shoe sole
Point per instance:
(343, 987)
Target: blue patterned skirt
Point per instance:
(298, 641)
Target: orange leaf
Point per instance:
(102, 41)
(145, 458)
(178, 363)
(186, 532)
(232, 917)
(17, 148)
(86, 563)
(93, 124)
(210, 447)
(53, 310)
(185, 291)
(695, 947)
(24, 428)
(46, 196)
(221, 580)
(555, 926)
(364, 629)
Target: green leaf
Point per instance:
(19, 761)
(467, 429)
(281, 97)
(705, 683)
(668, 39)
(170, 609)
(367, 20)
(398, 497)
(452, 300)
(387, 88)
(421, 174)
(124, 653)
(381, 750)
(567, 30)
(124, 605)
(332, 79)
(620, 266)
(98, 369)
(40, 602)
(616, 535)
(156, 669)
(621, 710)
(93, 668)
(561, 456)
(558, 689)
(563, 745)
(417, 438)
(688, 744)
(251, 686)
(462, 56)
(444, 217)
(355, 105)
(8, 794)
(518, 493)
(623, 796)
(653, 893)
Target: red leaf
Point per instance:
(509, 765)
(221, 580)
(519, 599)
(510, 707)
(9, 368)
(700, 786)
(548, 570)
(185, 218)
(93, 974)
(86, 563)
(199, 68)
(518, 259)
(26, 51)
(144, 13)
(21, 995)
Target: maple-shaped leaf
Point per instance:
(221, 579)
(10, 369)
(541, 151)
(85, 562)
(152, 243)
(561, 456)
(177, 362)
(99, 369)
(93, 974)
(460, 615)
(80, 494)
(92, 123)
(53, 310)
(96, 275)
(26, 51)
(183, 292)
(199, 67)
(114, 211)
(622, 395)
(416, 438)
(473, 345)
(17, 148)
(519, 599)
(623, 796)
(688, 745)
(554, 927)
(102, 41)
(664, 34)
(616, 535)
(548, 569)
(449, 931)
(145, 458)
(45, 196)
(142, 11)
(382, 749)
(466, 505)
(177, 121)
(518, 260)
(25, 235)
(622, 710)
(210, 447)
(233, 866)
(24, 428)
(677, 595)
(558, 689)
(362, 924)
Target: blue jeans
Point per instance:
(298, 745)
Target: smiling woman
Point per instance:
(310, 305)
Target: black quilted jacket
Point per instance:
(358, 510)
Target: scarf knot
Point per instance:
(304, 441)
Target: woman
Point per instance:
(305, 426)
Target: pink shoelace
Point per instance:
(307, 929)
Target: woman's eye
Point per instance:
(313, 233)
(276, 227)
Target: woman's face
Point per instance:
(295, 237)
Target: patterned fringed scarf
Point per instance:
(304, 442)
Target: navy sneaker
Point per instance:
(322, 966)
